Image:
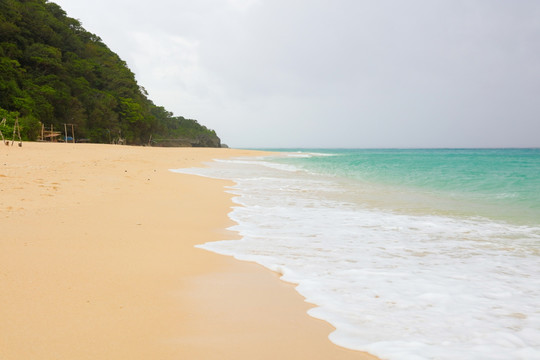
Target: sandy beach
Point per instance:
(97, 261)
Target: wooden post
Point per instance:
(14, 129)
(65, 133)
(73, 133)
(17, 130)
(3, 122)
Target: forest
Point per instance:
(54, 73)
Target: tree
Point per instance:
(54, 71)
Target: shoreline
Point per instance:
(86, 274)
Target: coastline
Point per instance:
(97, 260)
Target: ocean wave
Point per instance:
(399, 285)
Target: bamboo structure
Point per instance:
(49, 135)
(16, 131)
(72, 133)
(3, 122)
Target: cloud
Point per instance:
(335, 73)
(243, 5)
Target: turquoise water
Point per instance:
(409, 254)
(495, 183)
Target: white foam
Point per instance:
(400, 286)
(301, 154)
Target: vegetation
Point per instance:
(54, 72)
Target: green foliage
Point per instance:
(55, 72)
(28, 125)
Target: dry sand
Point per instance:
(97, 261)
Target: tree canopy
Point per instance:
(54, 72)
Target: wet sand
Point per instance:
(97, 261)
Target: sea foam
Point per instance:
(398, 285)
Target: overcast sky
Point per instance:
(335, 73)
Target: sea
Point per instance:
(409, 253)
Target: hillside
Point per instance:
(54, 72)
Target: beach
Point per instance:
(408, 253)
(98, 261)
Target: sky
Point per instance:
(335, 73)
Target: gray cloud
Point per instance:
(355, 73)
